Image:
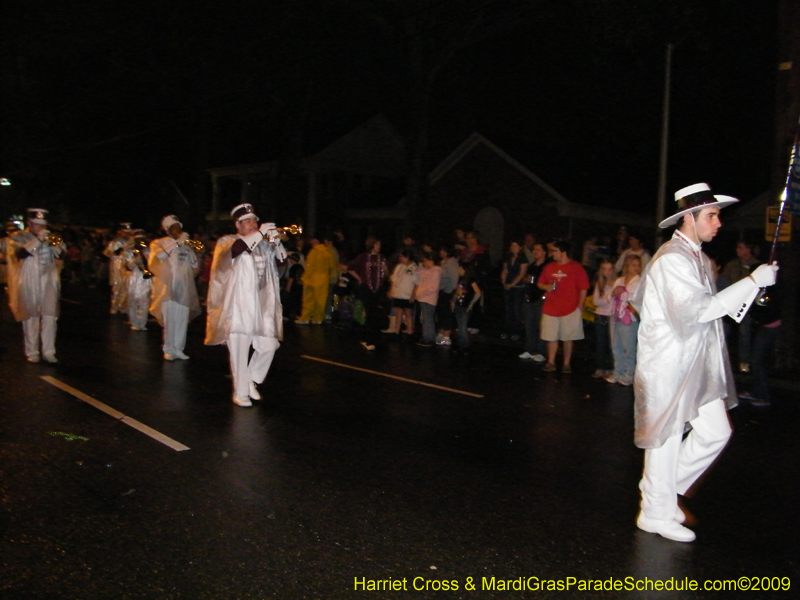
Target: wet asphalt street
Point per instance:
(344, 482)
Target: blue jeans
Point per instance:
(745, 338)
(428, 316)
(624, 349)
(462, 321)
(764, 340)
(533, 320)
(605, 361)
(514, 299)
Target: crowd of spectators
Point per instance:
(438, 294)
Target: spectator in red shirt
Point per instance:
(565, 284)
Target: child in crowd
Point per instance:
(466, 294)
(344, 292)
(426, 293)
(604, 308)
(404, 278)
(626, 322)
(447, 285)
(292, 292)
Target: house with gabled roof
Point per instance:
(479, 185)
(348, 172)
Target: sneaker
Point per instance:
(368, 346)
(180, 355)
(526, 355)
(566, 369)
(549, 368)
(242, 401)
(539, 358)
(254, 395)
(51, 358)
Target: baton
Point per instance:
(762, 298)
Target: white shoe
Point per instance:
(242, 401)
(538, 358)
(254, 395)
(51, 358)
(672, 530)
(181, 355)
(526, 355)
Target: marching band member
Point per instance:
(683, 377)
(174, 301)
(117, 273)
(139, 281)
(244, 307)
(34, 284)
(10, 229)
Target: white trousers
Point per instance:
(137, 311)
(36, 330)
(675, 466)
(176, 320)
(256, 368)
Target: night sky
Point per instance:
(110, 107)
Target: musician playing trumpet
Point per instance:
(34, 284)
(174, 263)
(244, 307)
(140, 282)
(117, 274)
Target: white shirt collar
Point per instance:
(692, 245)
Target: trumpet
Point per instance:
(291, 229)
(195, 245)
(53, 239)
(138, 258)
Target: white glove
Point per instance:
(183, 237)
(764, 275)
(270, 232)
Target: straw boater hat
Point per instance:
(37, 215)
(243, 211)
(169, 221)
(695, 197)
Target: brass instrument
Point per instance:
(138, 258)
(53, 239)
(291, 229)
(195, 245)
